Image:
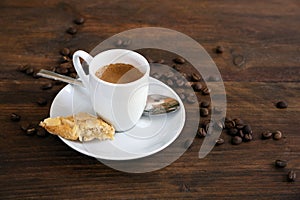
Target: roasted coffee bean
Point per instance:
(241, 133)
(42, 101)
(191, 99)
(72, 30)
(72, 70)
(31, 131)
(238, 60)
(205, 122)
(238, 121)
(280, 163)
(73, 75)
(247, 129)
(195, 77)
(41, 132)
(248, 137)
(292, 176)
(169, 75)
(204, 112)
(219, 141)
(205, 104)
(65, 51)
(187, 85)
(239, 126)
(15, 117)
(23, 68)
(277, 135)
(29, 71)
(79, 20)
(205, 91)
(65, 59)
(175, 78)
(170, 82)
(66, 65)
(186, 76)
(236, 140)
(35, 74)
(229, 124)
(201, 132)
(46, 86)
(227, 119)
(156, 75)
(53, 68)
(182, 96)
(179, 60)
(177, 67)
(219, 49)
(72, 51)
(179, 90)
(266, 135)
(61, 70)
(24, 126)
(180, 82)
(197, 86)
(281, 104)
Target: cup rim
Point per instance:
(121, 84)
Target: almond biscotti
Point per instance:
(82, 127)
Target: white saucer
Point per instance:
(149, 136)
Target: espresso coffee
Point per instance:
(119, 73)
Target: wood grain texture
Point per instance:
(266, 34)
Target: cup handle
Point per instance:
(78, 67)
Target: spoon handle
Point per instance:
(52, 75)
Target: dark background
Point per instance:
(266, 34)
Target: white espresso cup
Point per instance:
(120, 104)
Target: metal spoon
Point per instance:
(58, 77)
(156, 104)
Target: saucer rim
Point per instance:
(138, 156)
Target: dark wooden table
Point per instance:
(267, 35)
